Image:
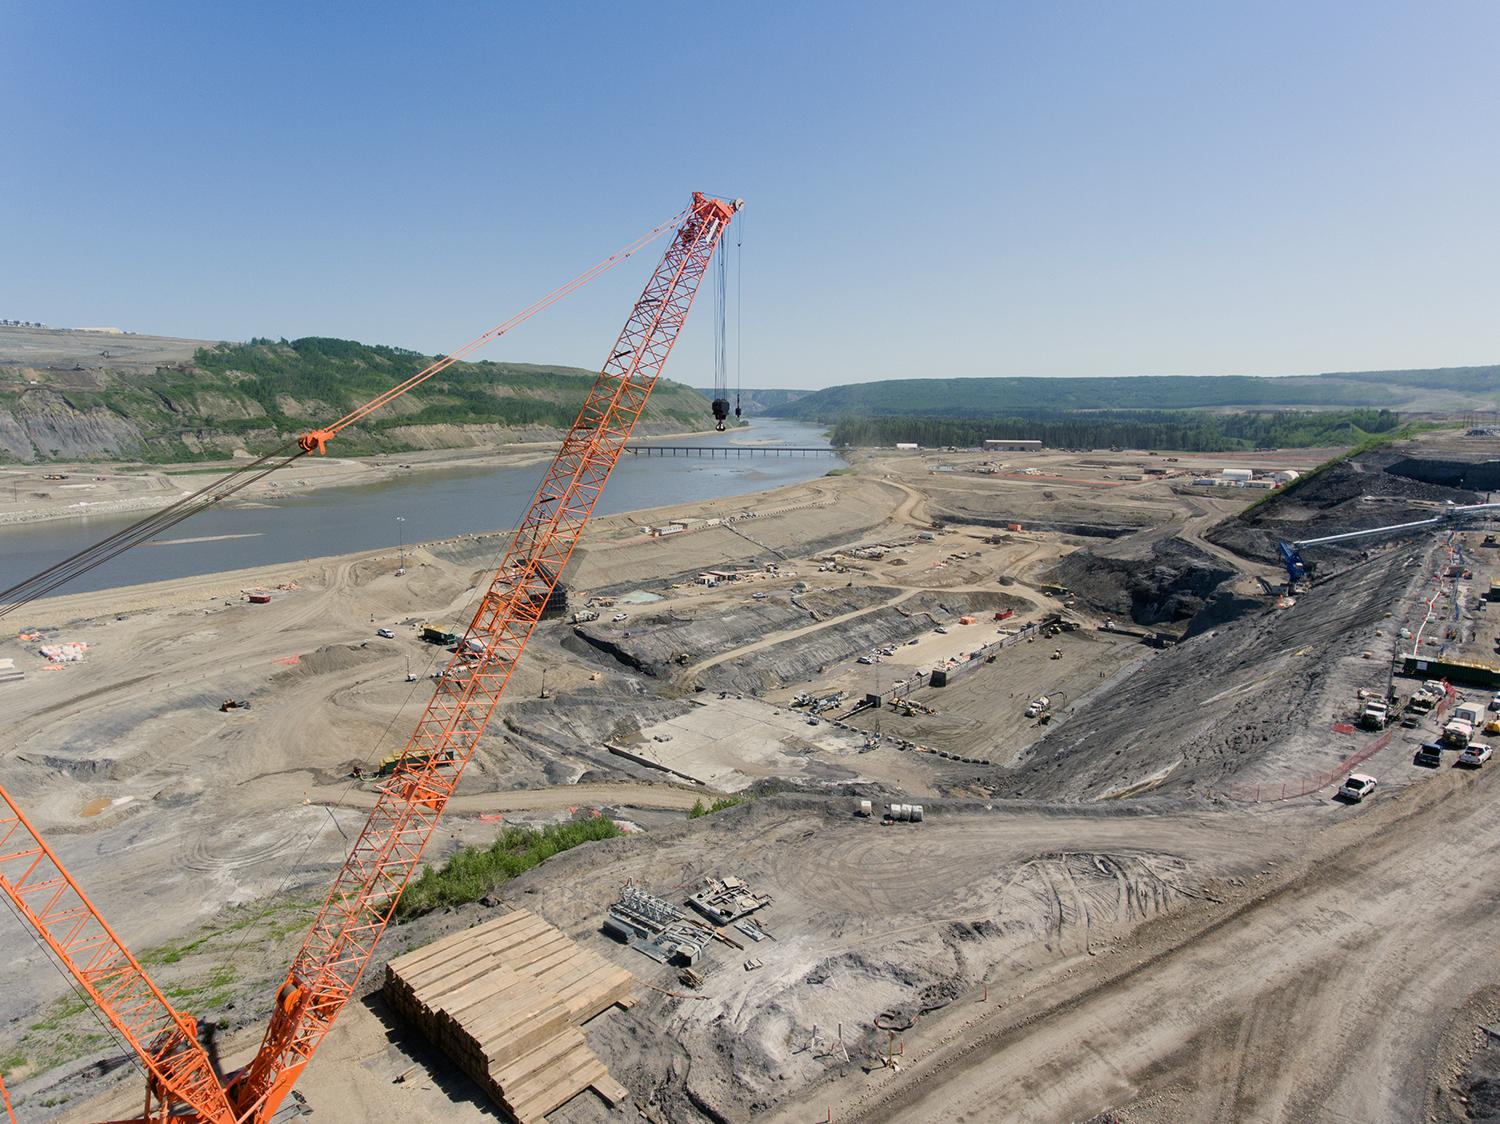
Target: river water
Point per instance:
(432, 505)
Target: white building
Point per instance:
(1237, 474)
(907, 446)
(1285, 476)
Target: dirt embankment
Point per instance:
(1214, 706)
(1365, 491)
(661, 643)
(775, 643)
(1168, 586)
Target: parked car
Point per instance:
(1495, 702)
(1475, 754)
(618, 617)
(941, 630)
(1357, 787)
(865, 659)
(1429, 753)
(759, 595)
(387, 633)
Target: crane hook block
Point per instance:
(316, 441)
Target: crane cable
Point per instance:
(739, 313)
(75, 565)
(721, 366)
(47, 581)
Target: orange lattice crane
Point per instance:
(182, 1082)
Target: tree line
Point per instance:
(1185, 430)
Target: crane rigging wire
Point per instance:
(721, 365)
(739, 313)
(76, 565)
(61, 573)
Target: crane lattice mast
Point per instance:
(363, 899)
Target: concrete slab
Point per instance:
(728, 744)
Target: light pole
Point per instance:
(401, 528)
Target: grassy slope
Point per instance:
(255, 395)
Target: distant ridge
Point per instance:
(1434, 389)
(759, 401)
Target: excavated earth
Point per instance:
(1122, 919)
(660, 644)
(1371, 490)
(1170, 585)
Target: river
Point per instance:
(431, 505)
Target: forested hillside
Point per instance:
(758, 401)
(1455, 387)
(252, 396)
(1188, 430)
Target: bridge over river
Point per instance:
(731, 451)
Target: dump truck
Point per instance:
(1458, 733)
(441, 636)
(1375, 715)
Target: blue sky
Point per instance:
(933, 189)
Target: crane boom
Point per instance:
(53, 904)
(183, 1083)
(383, 859)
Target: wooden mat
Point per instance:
(505, 1001)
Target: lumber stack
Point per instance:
(505, 1000)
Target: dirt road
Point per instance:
(561, 799)
(1281, 1003)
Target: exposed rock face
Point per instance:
(1168, 586)
(1481, 476)
(47, 427)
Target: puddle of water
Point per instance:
(638, 597)
(103, 804)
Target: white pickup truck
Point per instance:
(1474, 755)
(1357, 787)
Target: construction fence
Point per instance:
(1305, 786)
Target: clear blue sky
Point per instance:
(933, 189)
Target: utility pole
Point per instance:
(401, 530)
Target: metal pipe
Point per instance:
(1449, 515)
